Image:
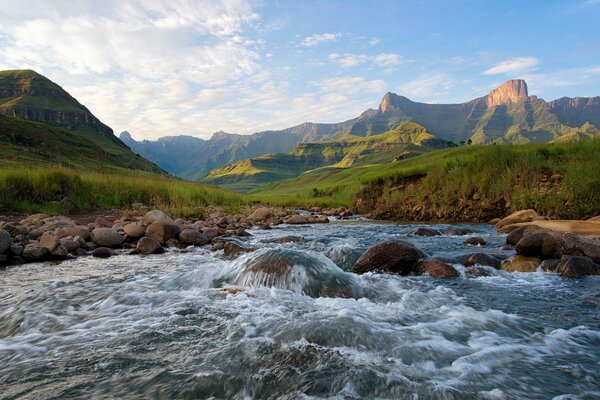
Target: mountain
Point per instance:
(40, 122)
(191, 158)
(508, 114)
(343, 151)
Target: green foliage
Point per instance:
(61, 190)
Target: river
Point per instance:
(162, 327)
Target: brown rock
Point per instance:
(393, 256)
(4, 241)
(163, 230)
(426, 232)
(260, 214)
(211, 233)
(147, 245)
(297, 220)
(232, 249)
(134, 230)
(34, 252)
(102, 252)
(193, 237)
(475, 241)
(481, 259)
(155, 215)
(107, 237)
(575, 245)
(437, 269)
(517, 217)
(521, 264)
(77, 230)
(49, 240)
(70, 245)
(103, 223)
(539, 244)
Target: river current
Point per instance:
(163, 327)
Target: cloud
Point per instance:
(319, 38)
(351, 60)
(428, 87)
(374, 41)
(351, 84)
(514, 65)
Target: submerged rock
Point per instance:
(289, 239)
(480, 259)
(426, 232)
(397, 256)
(521, 264)
(312, 274)
(437, 269)
(475, 241)
(232, 249)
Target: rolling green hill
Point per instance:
(343, 151)
(40, 123)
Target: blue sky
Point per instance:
(159, 68)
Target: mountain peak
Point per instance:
(511, 91)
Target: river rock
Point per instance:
(539, 244)
(34, 252)
(260, 214)
(297, 220)
(148, 245)
(517, 234)
(193, 237)
(163, 230)
(289, 239)
(477, 271)
(232, 249)
(102, 252)
(102, 222)
(59, 252)
(16, 249)
(77, 230)
(437, 269)
(517, 217)
(480, 259)
(452, 231)
(4, 241)
(70, 245)
(211, 233)
(107, 237)
(575, 245)
(134, 230)
(392, 256)
(549, 265)
(156, 215)
(475, 241)
(426, 232)
(49, 240)
(577, 267)
(521, 264)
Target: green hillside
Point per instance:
(41, 123)
(463, 183)
(406, 140)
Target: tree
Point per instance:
(469, 142)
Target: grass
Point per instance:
(459, 183)
(56, 190)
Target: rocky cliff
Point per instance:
(28, 95)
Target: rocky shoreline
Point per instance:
(569, 248)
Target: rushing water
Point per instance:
(163, 327)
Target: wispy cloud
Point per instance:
(351, 84)
(519, 64)
(431, 87)
(351, 60)
(315, 39)
(374, 41)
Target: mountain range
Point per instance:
(508, 114)
(40, 123)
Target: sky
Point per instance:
(161, 68)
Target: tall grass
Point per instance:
(60, 190)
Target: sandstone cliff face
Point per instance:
(578, 110)
(511, 91)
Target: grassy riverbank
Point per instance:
(465, 183)
(56, 190)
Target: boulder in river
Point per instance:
(577, 267)
(395, 256)
(33, 252)
(147, 245)
(575, 245)
(521, 264)
(107, 237)
(49, 240)
(193, 237)
(437, 269)
(480, 259)
(426, 232)
(542, 244)
(475, 241)
(102, 252)
(260, 214)
(163, 230)
(232, 249)
(297, 220)
(452, 231)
